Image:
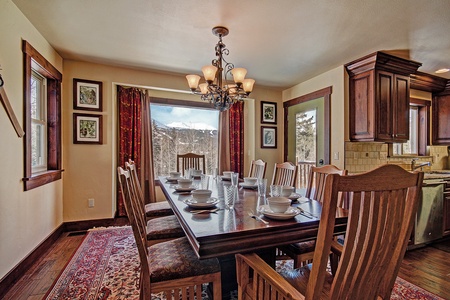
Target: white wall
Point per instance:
(26, 218)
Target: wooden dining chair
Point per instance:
(257, 168)
(303, 252)
(382, 208)
(157, 229)
(153, 209)
(191, 160)
(169, 267)
(284, 174)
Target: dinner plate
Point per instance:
(289, 214)
(248, 186)
(183, 189)
(194, 204)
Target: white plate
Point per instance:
(248, 186)
(294, 196)
(183, 189)
(173, 179)
(290, 213)
(194, 204)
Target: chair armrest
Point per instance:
(336, 248)
(263, 276)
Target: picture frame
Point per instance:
(268, 137)
(268, 112)
(87, 94)
(87, 129)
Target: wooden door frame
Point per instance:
(324, 93)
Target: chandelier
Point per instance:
(217, 89)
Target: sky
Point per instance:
(182, 116)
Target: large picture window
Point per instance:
(42, 102)
(180, 129)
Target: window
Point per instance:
(418, 130)
(42, 120)
(38, 123)
(179, 129)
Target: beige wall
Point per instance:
(26, 218)
(337, 79)
(90, 169)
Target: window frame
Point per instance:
(33, 60)
(40, 120)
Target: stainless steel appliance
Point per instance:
(429, 223)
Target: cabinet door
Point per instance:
(362, 114)
(441, 117)
(401, 108)
(384, 106)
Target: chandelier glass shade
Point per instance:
(217, 89)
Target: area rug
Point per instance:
(106, 266)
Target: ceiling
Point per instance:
(281, 43)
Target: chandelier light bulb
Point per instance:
(248, 85)
(239, 74)
(209, 72)
(193, 81)
(203, 88)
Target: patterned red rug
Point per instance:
(106, 266)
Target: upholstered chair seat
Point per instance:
(158, 209)
(166, 227)
(175, 259)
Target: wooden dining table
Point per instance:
(226, 232)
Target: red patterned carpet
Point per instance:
(106, 266)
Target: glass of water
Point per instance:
(229, 195)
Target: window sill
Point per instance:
(41, 178)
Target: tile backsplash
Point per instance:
(365, 156)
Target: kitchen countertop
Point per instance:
(437, 174)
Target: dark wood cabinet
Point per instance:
(441, 118)
(379, 97)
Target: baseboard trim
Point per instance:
(17, 272)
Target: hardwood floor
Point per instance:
(426, 267)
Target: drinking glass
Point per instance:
(262, 187)
(204, 182)
(229, 195)
(234, 179)
(275, 190)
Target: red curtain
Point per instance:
(236, 132)
(130, 124)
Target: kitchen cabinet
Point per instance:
(441, 117)
(446, 208)
(379, 97)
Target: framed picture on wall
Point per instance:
(87, 129)
(268, 137)
(268, 112)
(87, 94)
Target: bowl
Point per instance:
(175, 174)
(286, 190)
(184, 183)
(227, 174)
(201, 196)
(250, 180)
(196, 172)
(279, 204)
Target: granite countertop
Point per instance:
(437, 174)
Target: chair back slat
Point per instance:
(191, 160)
(284, 174)
(316, 183)
(303, 173)
(257, 169)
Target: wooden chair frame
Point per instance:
(191, 160)
(257, 168)
(284, 174)
(383, 205)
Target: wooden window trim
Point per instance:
(424, 108)
(34, 60)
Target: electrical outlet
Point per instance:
(91, 202)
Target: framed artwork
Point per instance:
(87, 94)
(268, 112)
(268, 137)
(87, 129)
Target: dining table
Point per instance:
(221, 232)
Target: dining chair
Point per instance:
(303, 171)
(153, 209)
(257, 169)
(382, 208)
(303, 252)
(191, 160)
(157, 229)
(284, 174)
(169, 267)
